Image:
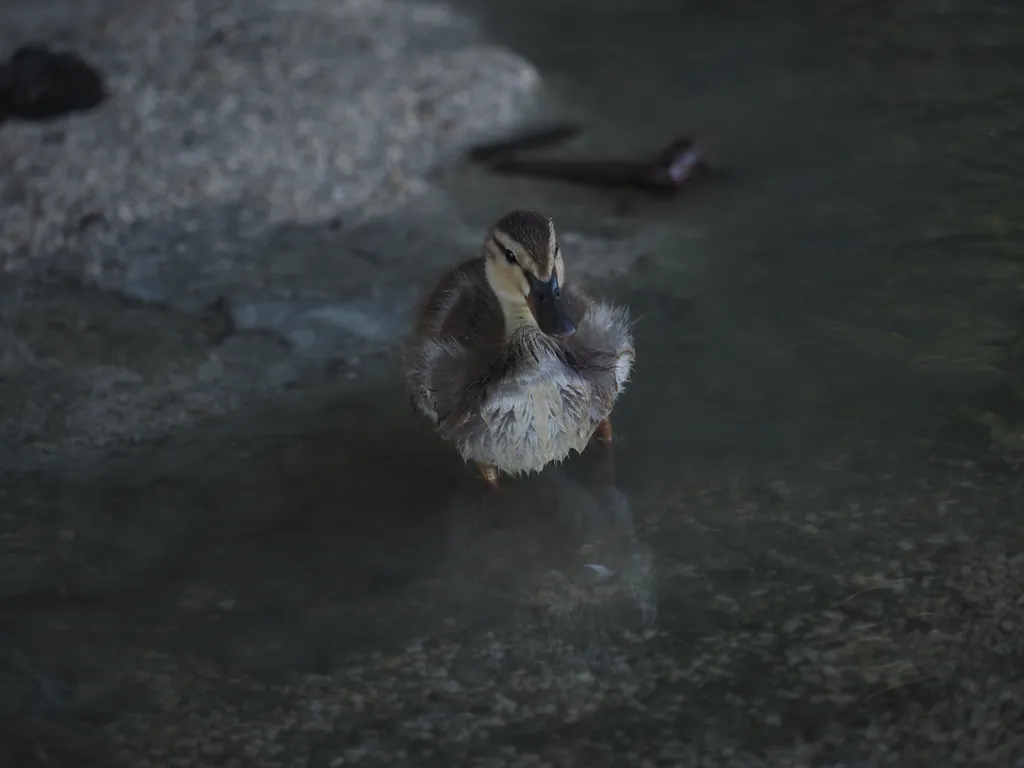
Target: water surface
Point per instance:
(804, 550)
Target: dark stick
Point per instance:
(680, 162)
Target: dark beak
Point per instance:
(549, 308)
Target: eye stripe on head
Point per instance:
(532, 239)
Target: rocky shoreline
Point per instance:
(266, 159)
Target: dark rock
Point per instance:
(38, 84)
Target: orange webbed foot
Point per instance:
(489, 474)
(603, 433)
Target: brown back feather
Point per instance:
(476, 323)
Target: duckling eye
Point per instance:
(510, 257)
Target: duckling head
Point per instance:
(524, 268)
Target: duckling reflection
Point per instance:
(556, 561)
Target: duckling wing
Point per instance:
(601, 350)
(458, 332)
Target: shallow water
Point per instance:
(803, 550)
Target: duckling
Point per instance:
(512, 362)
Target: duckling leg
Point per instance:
(489, 474)
(603, 433)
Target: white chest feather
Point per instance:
(538, 416)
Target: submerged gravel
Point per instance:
(902, 648)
